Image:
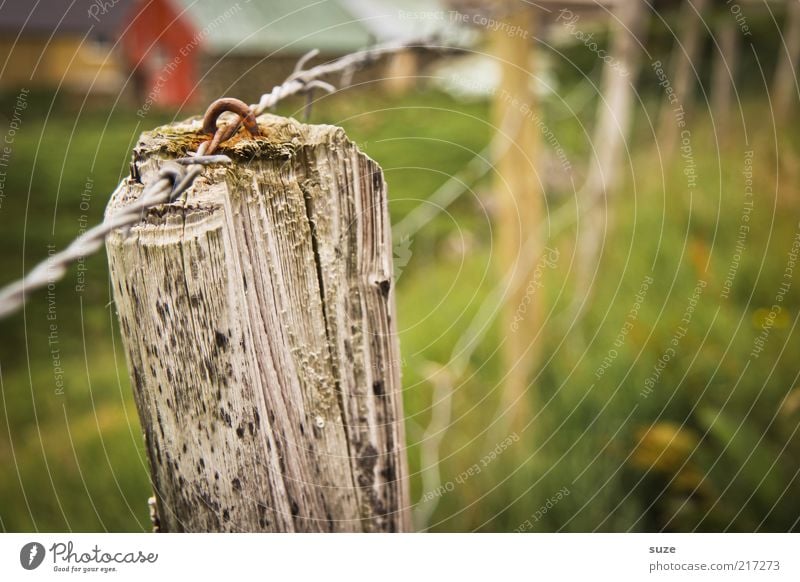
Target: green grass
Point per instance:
(714, 446)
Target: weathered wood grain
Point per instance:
(258, 319)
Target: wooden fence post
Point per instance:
(614, 119)
(258, 320)
(784, 84)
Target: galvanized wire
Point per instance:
(172, 181)
(174, 178)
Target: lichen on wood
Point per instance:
(257, 313)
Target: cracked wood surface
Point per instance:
(257, 315)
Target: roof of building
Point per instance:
(50, 17)
(241, 26)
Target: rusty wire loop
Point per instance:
(177, 176)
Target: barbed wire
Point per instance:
(176, 176)
(173, 180)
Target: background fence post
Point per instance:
(519, 207)
(258, 319)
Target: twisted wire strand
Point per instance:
(174, 178)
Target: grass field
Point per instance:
(683, 429)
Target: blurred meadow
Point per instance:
(641, 420)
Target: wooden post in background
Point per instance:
(519, 197)
(784, 85)
(614, 120)
(617, 103)
(723, 73)
(258, 320)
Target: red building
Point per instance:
(159, 45)
(170, 53)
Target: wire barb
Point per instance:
(308, 83)
(303, 61)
